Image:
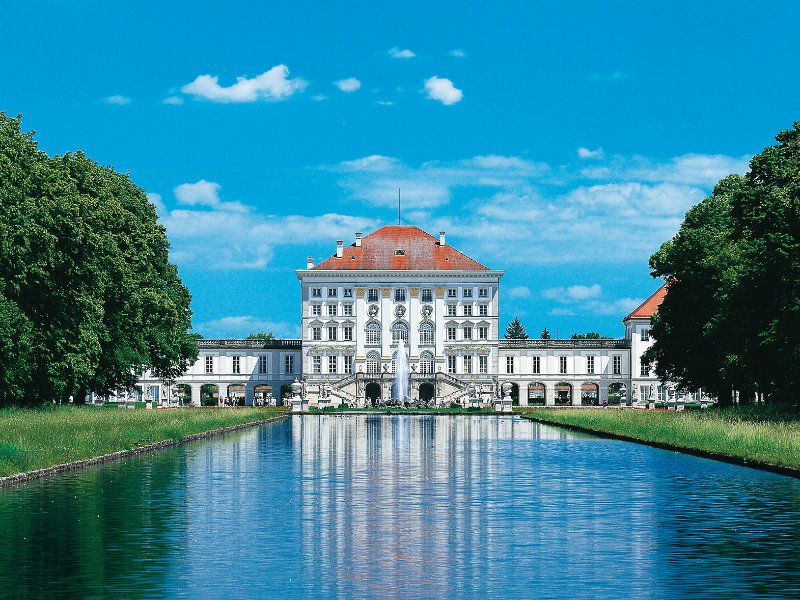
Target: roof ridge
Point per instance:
(642, 305)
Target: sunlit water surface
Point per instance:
(411, 506)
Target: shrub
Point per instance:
(455, 405)
(343, 406)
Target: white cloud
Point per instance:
(202, 193)
(587, 299)
(398, 53)
(519, 291)
(586, 153)
(319, 97)
(274, 85)
(174, 100)
(372, 163)
(457, 53)
(443, 90)
(157, 202)
(573, 293)
(241, 326)
(117, 100)
(351, 84)
(384, 102)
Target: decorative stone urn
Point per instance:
(298, 402)
(504, 403)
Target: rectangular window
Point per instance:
(467, 364)
(373, 335)
(209, 364)
(316, 364)
(347, 292)
(483, 332)
(483, 364)
(644, 393)
(372, 295)
(288, 364)
(348, 365)
(617, 365)
(347, 333)
(451, 334)
(590, 365)
(467, 333)
(644, 370)
(399, 295)
(236, 365)
(562, 364)
(331, 364)
(483, 310)
(262, 364)
(316, 333)
(427, 295)
(452, 293)
(483, 293)
(537, 365)
(331, 292)
(468, 310)
(331, 310)
(663, 393)
(451, 310)
(426, 334)
(316, 310)
(510, 365)
(316, 292)
(332, 333)
(645, 335)
(467, 293)
(347, 310)
(451, 364)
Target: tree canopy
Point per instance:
(591, 335)
(260, 335)
(545, 335)
(516, 330)
(731, 315)
(88, 297)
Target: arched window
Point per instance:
(426, 333)
(373, 362)
(426, 363)
(400, 331)
(373, 331)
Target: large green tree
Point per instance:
(84, 267)
(516, 330)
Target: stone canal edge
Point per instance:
(24, 477)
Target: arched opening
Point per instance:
(236, 393)
(426, 333)
(184, 394)
(262, 395)
(590, 395)
(373, 333)
(536, 394)
(616, 392)
(400, 331)
(209, 394)
(373, 393)
(515, 394)
(373, 362)
(563, 393)
(426, 392)
(426, 363)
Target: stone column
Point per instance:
(249, 391)
(549, 394)
(523, 393)
(196, 393)
(576, 395)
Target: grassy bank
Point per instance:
(762, 435)
(37, 438)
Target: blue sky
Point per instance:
(560, 141)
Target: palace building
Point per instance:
(400, 287)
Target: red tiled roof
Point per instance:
(420, 251)
(649, 307)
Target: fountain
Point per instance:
(401, 379)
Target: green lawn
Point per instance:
(36, 438)
(760, 434)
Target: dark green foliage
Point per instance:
(260, 335)
(591, 335)
(516, 331)
(545, 335)
(88, 297)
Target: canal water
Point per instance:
(411, 506)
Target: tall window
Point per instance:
(347, 333)
(617, 365)
(236, 365)
(426, 363)
(467, 332)
(467, 293)
(562, 364)
(373, 362)
(468, 310)
(316, 333)
(468, 364)
(451, 310)
(483, 293)
(372, 295)
(347, 310)
(663, 393)
(399, 295)
(451, 364)
(348, 365)
(452, 293)
(645, 335)
(262, 364)
(483, 332)
(316, 364)
(331, 310)
(331, 332)
(537, 365)
(400, 331)
(331, 292)
(483, 310)
(316, 310)
(331, 364)
(288, 364)
(644, 370)
(427, 295)
(451, 333)
(510, 365)
(426, 333)
(373, 331)
(483, 364)
(316, 292)
(209, 364)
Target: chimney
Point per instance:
(358, 239)
(339, 248)
(441, 238)
(310, 262)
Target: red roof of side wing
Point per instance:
(649, 307)
(400, 248)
